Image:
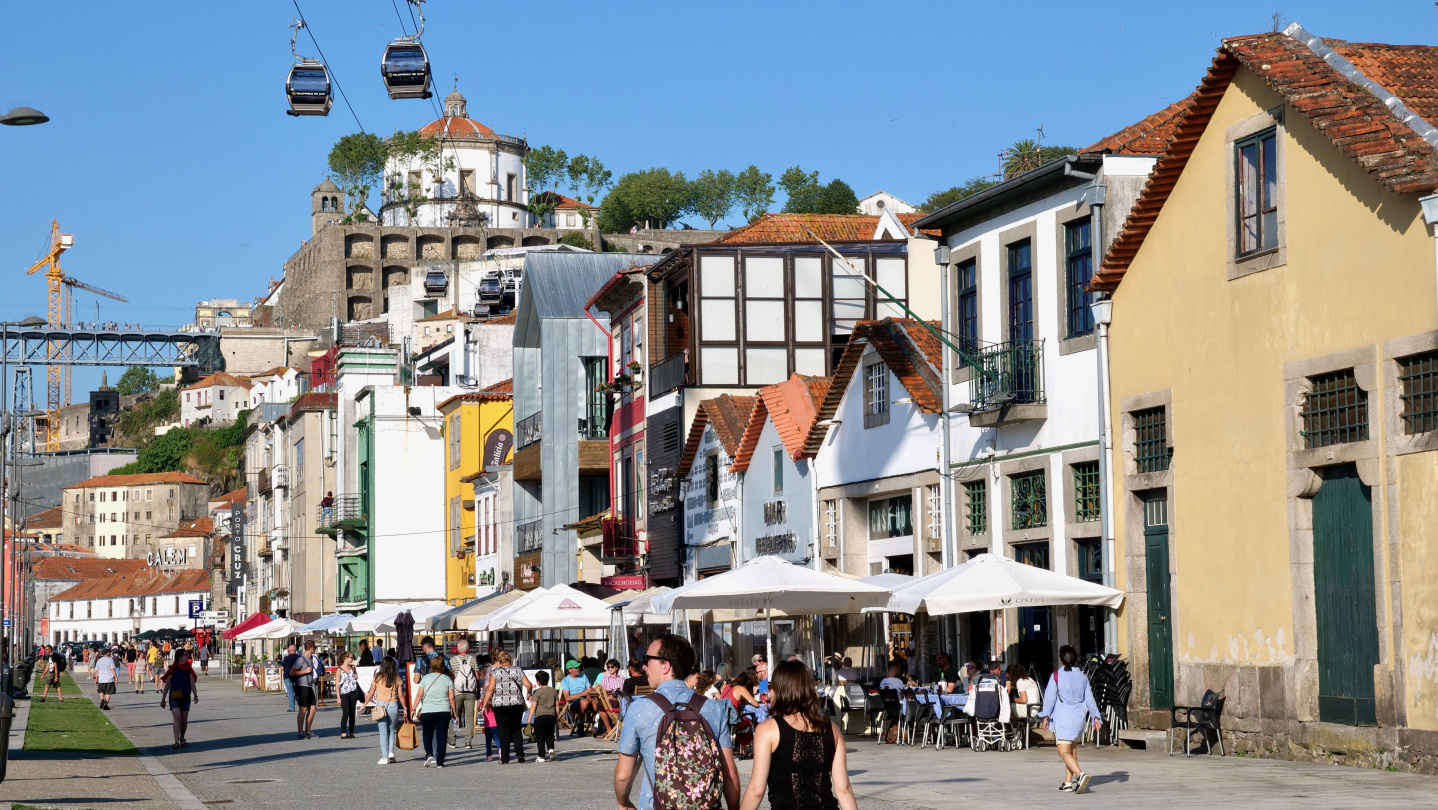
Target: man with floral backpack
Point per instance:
(679, 739)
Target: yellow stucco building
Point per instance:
(479, 435)
(1274, 405)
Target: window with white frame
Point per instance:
(831, 523)
(876, 394)
(935, 522)
(455, 449)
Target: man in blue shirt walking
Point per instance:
(669, 660)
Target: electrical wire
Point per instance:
(333, 76)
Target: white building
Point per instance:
(712, 497)
(881, 201)
(486, 180)
(493, 535)
(570, 214)
(276, 385)
(776, 473)
(122, 516)
(114, 608)
(214, 400)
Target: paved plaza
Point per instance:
(243, 754)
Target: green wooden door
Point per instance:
(1160, 603)
(1344, 598)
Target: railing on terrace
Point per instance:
(529, 430)
(619, 541)
(1009, 373)
(528, 537)
(347, 510)
(668, 374)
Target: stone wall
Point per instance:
(249, 350)
(659, 241)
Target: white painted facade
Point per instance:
(277, 385)
(213, 400)
(881, 201)
(110, 619)
(493, 543)
(786, 531)
(711, 526)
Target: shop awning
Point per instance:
(992, 582)
(255, 620)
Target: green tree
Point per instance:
(949, 196)
(808, 196)
(404, 150)
(753, 192)
(712, 195)
(137, 379)
(166, 453)
(653, 198)
(543, 169)
(588, 179)
(356, 163)
(1028, 154)
(576, 239)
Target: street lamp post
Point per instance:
(23, 117)
(5, 428)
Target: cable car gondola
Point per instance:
(405, 67)
(308, 85)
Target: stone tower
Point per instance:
(454, 106)
(327, 204)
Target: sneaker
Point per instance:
(469, 746)
(1067, 786)
(438, 765)
(539, 759)
(1081, 784)
(429, 762)
(384, 760)
(392, 759)
(300, 735)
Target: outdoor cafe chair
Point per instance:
(910, 717)
(1203, 719)
(890, 714)
(954, 722)
(856, 701)
(606, 705)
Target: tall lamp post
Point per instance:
(23, 117)
(6, 425)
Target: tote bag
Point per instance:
(408, 737)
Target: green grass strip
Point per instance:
(76, 725)
(30, 807)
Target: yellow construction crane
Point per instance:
(59, 314)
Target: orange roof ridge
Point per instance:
(1147, 137)
(136, 478)
(795, 228)
(791, 406)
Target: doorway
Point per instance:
(1160, 602)
(1344, 597)
(1035, 648)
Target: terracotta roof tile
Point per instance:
(221, 378)
(1348, 114)
(233, 496)
(909, 350)
(502, 320)
(1147, 137)
(791, 406)
(49, 519)
(829, 227)
(198, 527)
(315, 400)
(562, 202)
(447, 315)
(136, 478)
(52, 568)
(729, 415)
(145, 582)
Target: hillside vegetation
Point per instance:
(210, 454)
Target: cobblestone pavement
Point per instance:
(243, 753)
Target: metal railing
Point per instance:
(1009, 373)
(348, 510)
(529, 430)
(528, 537)
(262, 481)
(619, 542)
(668, 374)
(281, 476)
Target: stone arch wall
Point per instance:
(396, 246)
(359, 277)
(395, 276)
(467, 248)
(359, 308)
(531, 241)
(431, 247)
(500, 242)
(359, 246)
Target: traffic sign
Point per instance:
(197, 606)
(7, 622)
(215, 616)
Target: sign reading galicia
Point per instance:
(496, 448)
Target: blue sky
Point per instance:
(170, 158)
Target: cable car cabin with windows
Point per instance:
(308, 85)
(405, 69)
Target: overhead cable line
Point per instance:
(311, 32)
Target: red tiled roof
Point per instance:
(198, 527)
(562, 201)
(613, 283)
(453, 126)
(729, 415)
(145, 582)
(1147, 137)
(277, 371)
(83, 567)
(829, 227)
(316, 400)
(499, 392)
(231, 497)
(503, 320)
(1409, 72)
(791, 406)
(447, 315)
(136, 478)
(910, 351)
(221, 378)
(1347, 114)
(49, 519)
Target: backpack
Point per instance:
(465, 680)
(60, 664)
(688, 769)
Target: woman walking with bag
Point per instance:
(178, 689)
(349, 692)
(1068, 705)
(798, 752)
(388, 698)
(505, 692)
(434, 708)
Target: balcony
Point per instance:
(354, 600)
(1008, 384)
(281, 477)
(667, 375)
(528, 537)
(619, 544)
(529, 430)
(263, 481)
(347, 513)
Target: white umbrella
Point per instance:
(457, 618)
(773, 583)
(323, 623)
(480, 624)
(369, 620)
(888, 581)
(421, 614)
(558, 608)
(991, 582)
(279, 628)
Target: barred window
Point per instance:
(876, 395)
(1087, 503)
(831, 523)
(1030, 500)
(1151, 449)
(976, 509)
(936, 522)
(1418, 376)
(1335, 411)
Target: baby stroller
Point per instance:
(989, 709)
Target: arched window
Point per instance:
(324, 203)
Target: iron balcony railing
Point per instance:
(263, 483)
(281, 476)
(619, 541)
(667, 375)
(528, 537)
(1009, 373)
(529, 430)
(348, 510)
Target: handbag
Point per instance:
(377, 713)
(408, 737)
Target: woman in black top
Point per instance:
(798, 752)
